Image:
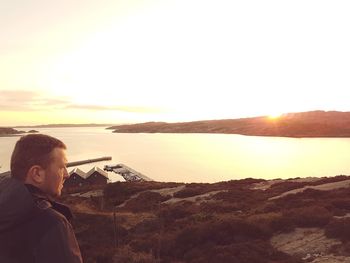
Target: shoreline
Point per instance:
(250, 135)
(11, 135)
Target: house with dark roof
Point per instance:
(76, 178)
(96, 176)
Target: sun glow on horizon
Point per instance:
(136, 61)
(275, 116)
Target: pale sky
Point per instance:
(113, 61)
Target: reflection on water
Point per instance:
(201, 157)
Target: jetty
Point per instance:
(71, 164)
(129, 174)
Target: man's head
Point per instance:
(40, 160)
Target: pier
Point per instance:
(71, 164)
(129, 174)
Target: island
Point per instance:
(66, 125)
(8, 132)
(301, 124)
(5, 132)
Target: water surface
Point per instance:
(201, 157)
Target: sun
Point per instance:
(274, 116)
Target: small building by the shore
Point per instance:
(76, 178)
(96, 176)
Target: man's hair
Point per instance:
(33, 149)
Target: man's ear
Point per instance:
(36, 174)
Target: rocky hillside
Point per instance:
(304, 124)
(297, 220)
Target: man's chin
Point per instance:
(59, 192)
(56, 194)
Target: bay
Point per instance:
(200, 157)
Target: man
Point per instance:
(33, 227)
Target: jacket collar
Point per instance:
(44, 201)
(37, 193)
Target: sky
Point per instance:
(126, 61)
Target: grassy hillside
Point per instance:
(305, 124)
(236, 221)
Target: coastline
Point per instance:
(11, 135)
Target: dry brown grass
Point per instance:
(234, 225)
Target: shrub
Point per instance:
(272, 222)
(189, 192)
(118, 192)
(341, 203)
(313, 216)
(147, 243)
(127, 255)
(241, 195)
(220, 207)
(284, 186)
(309, 197)
(257, 251)
(146, 201)
(219, 232)
(339, 228)
(95, 234)
(332, 179)
(147, 226)
(177, 211)
(234, 184)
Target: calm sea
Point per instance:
(201, 157)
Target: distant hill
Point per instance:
(65, 125)
(302, 124)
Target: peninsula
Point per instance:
(302, 124)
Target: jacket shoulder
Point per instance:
(58, 244)
(48, 215)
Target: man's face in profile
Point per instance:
(56, 173)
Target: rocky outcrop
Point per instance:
(306, 243)
(9, 131)
(311, 245)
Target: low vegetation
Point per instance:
(137, 223)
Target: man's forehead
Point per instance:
(60, 153)
(64, 155)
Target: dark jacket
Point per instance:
(33, 228)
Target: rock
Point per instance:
(310, 244)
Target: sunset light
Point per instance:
(174, 131)
(275, 116)
(131, 61)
